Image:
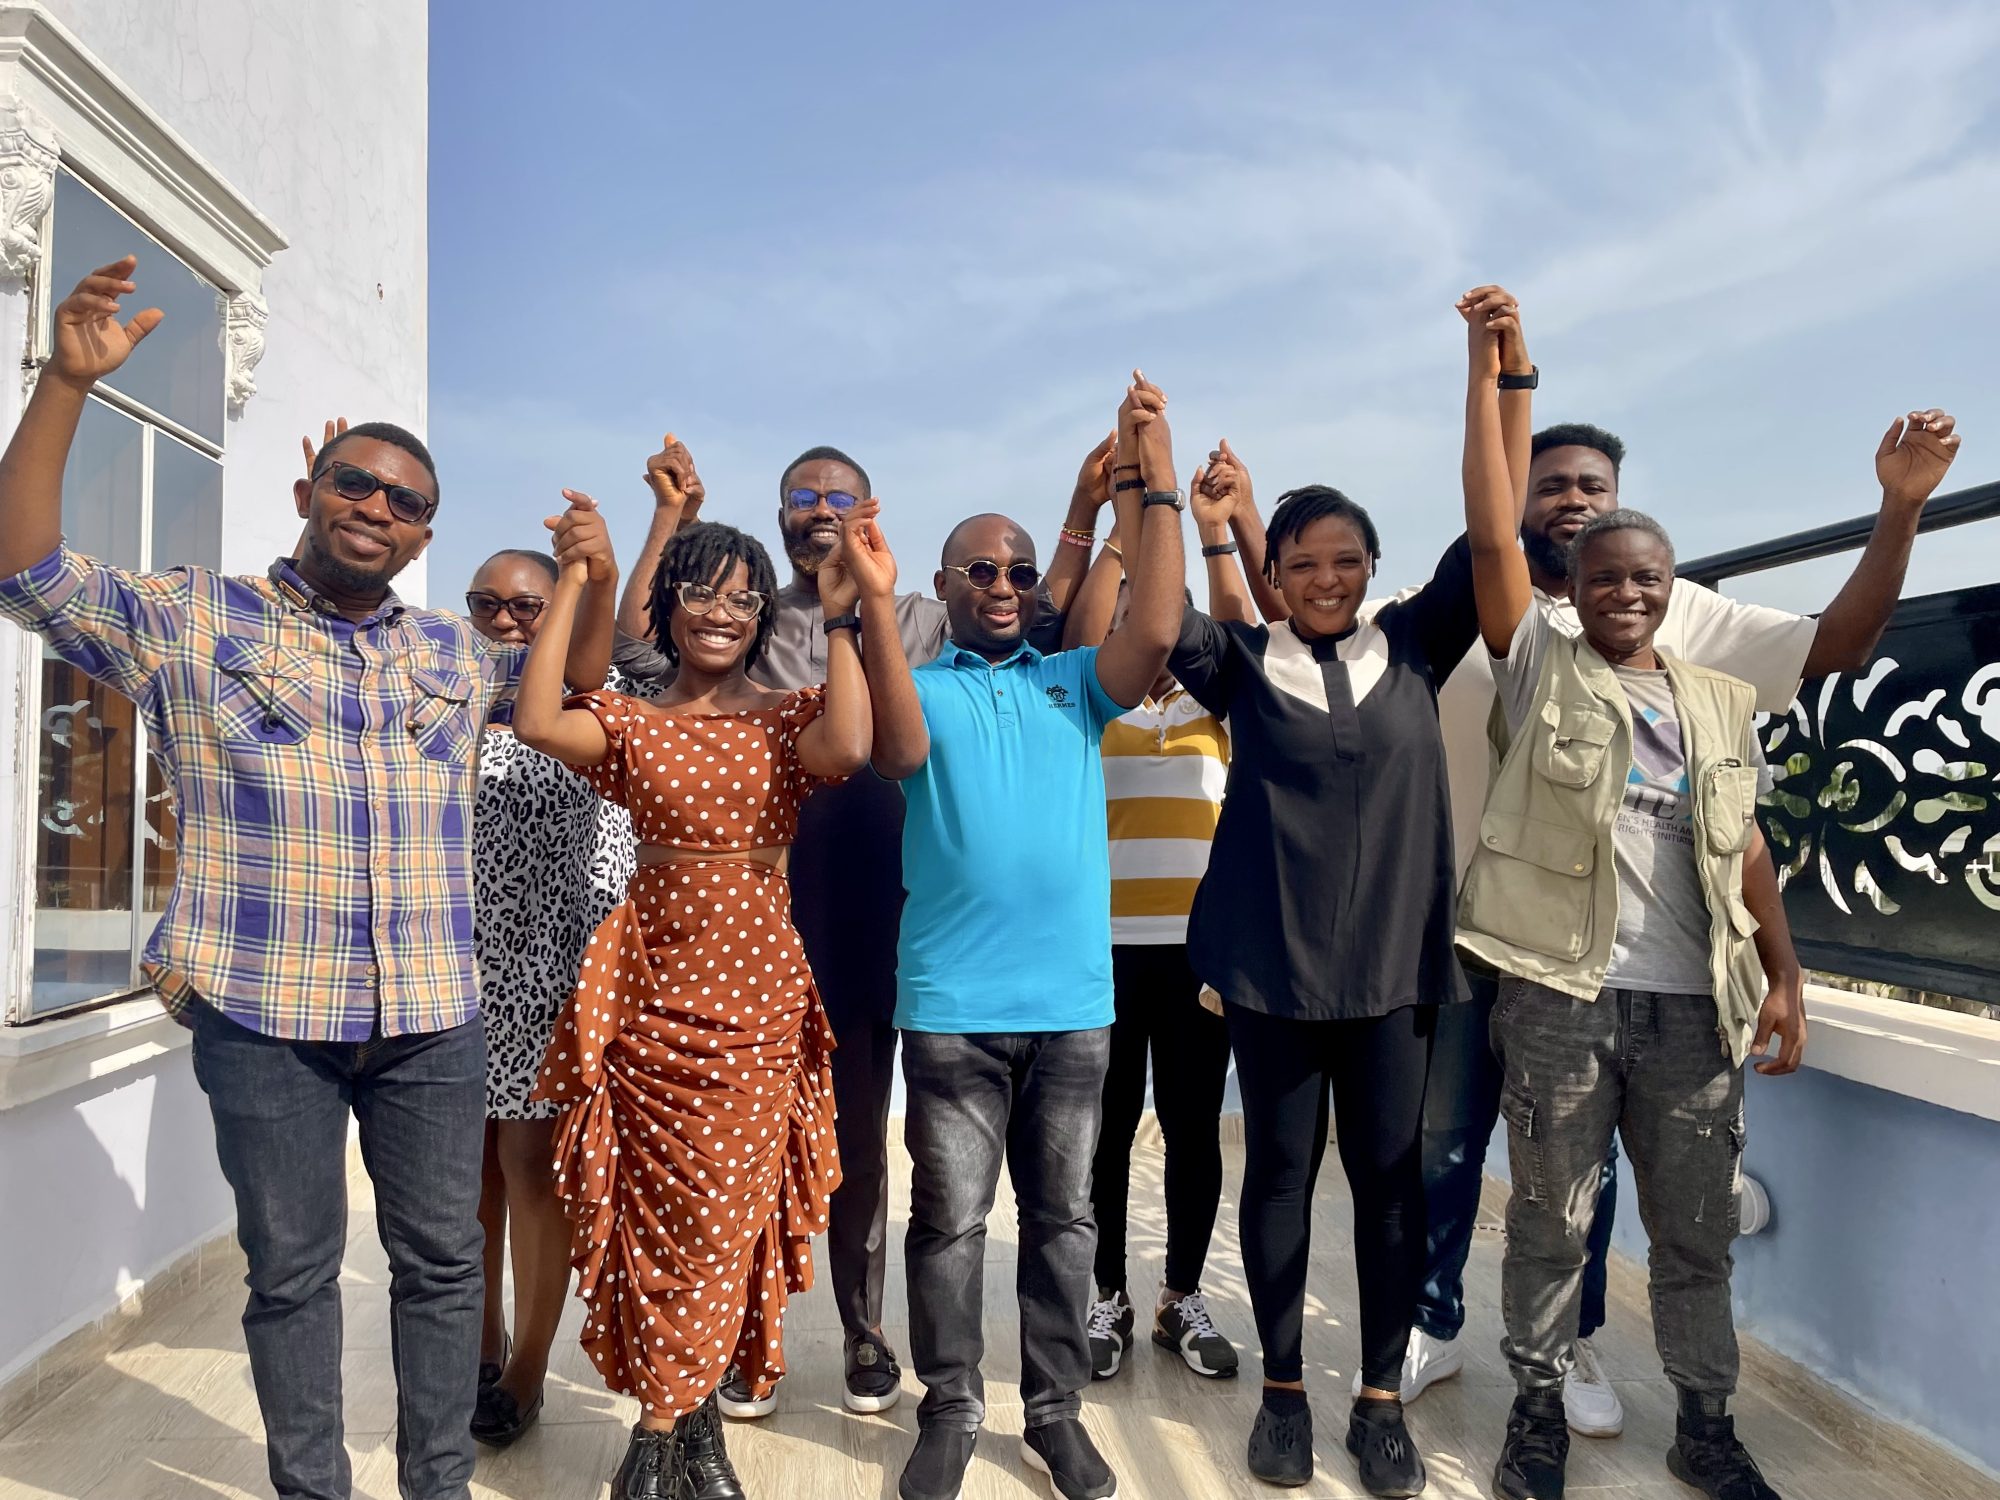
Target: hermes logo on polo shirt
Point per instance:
(1059, 696)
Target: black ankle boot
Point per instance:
(649, 1467)
(705, 1470)
(1707, 1455)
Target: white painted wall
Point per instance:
(318, 115)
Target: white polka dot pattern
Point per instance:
(697, 1163)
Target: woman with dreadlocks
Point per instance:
(697, 1152)
(1325, 924)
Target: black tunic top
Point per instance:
(1329, 886)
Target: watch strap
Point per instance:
(848, 621)
(1220, 549)
(1164, 497)
(1526, 382)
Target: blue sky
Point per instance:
(940, 237)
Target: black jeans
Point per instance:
(280, 1111)
(1031, 1098)
(1461, 1108)
(1375, 1070)
(1159, 1006)
(857, 1230)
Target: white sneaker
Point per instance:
(1427, 1361)
(1590, 1403)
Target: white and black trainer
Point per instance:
(1184, 1326)
(1110, 1326)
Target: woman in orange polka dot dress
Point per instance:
(697, 1153)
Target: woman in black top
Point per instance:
(1325, 923)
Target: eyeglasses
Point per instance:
(354, 483)
(982, 573)
(840, 500)
(523, 607)
(699, 599)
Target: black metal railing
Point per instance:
(1885, 819)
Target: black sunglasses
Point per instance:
(840, 500)
(523, 607)
(353, 483)
(982, 573)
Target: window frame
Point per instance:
(60, 106)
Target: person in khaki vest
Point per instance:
(1621, 888)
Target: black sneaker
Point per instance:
(705, 1470)
(1281, 1442)
(1063, 1451)
(874, 1380)
(650, 1469)
(737, 1404)
(1185, 1327)
(1110, 1325)
(1707, 1456)
(936, 1467)
(1382, 1447)
(1536, 1451)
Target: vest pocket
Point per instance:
(1537, 894)
(1571, 744)
(1728, 806)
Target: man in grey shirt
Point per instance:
(847, 864)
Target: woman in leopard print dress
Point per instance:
(550, 860)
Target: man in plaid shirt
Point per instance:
(320, 735)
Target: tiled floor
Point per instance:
(171, 1415)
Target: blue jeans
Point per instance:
(1460, 1112)
(1031, 1099)
(280, 1110)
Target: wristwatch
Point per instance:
(1220, 549)
(1525, 382)
(849, 621)
(1165, 497)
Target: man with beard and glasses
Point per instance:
(1573, 478)
(319, 738)
(847, 864)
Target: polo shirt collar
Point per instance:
(295, 591)
(1023, 655)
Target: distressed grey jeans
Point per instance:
(1653, 1068)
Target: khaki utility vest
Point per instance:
(1540, 900)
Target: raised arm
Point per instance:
(1228, 476)
(1492, 521)
(902, 741)
(1070, 561)
(1517, 423)
(1132, 659)
(90, 343)
(572, 735)
(1784, 1011)
(677, 496)
(838, 741)
(1912, 460)
(1088, 620)
(1213, 502)
(581, 536)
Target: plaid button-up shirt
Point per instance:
(323, 773)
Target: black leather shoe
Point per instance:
(650, 1468)
(705, 1470)
(489, 1374)
(498, 1419)
(874, 1380)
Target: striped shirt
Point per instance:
(322, 771)
(1165, 764)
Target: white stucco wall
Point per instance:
(317, 114)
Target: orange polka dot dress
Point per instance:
(697, 1154)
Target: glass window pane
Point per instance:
(162, 839)
(187, 507)
(178, 371)
(83, 842)
(101, 486)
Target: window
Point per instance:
(143, 489)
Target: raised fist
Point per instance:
(671, 476)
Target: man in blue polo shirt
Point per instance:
(1005, 1002)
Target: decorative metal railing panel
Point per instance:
(1885, 816)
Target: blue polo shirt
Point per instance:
(1008, 922)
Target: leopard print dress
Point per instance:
(550, 859)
